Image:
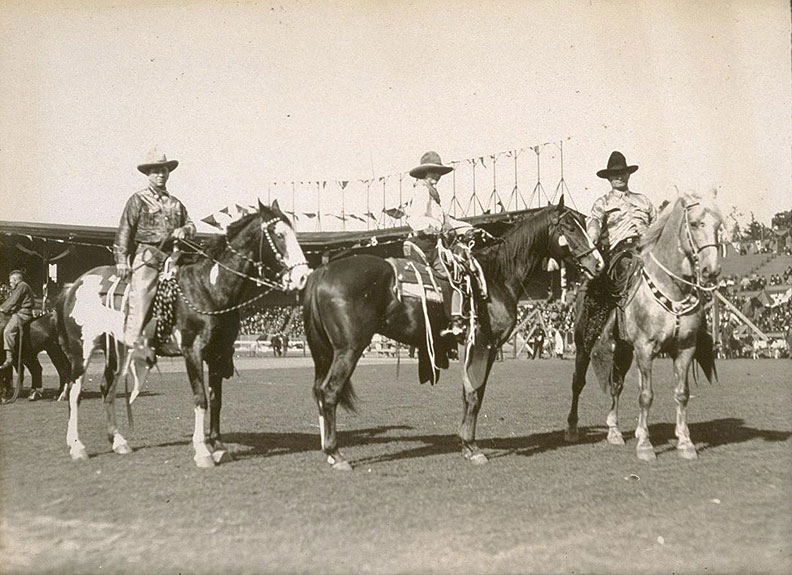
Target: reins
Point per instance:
(260, 281)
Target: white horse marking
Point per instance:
(213, 273)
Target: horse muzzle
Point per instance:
(295, 278)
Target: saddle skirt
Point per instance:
(415, 279)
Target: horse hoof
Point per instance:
(342, 465)
(122, 449)
(615, 437)
(221, 456)
(687, 452)
(478, 459)
(78, 453)
(646, 453)
(204, 461)
(571, 436)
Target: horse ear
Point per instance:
(561, 202)
(260, 205)
(276, 208)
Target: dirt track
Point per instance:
(412, 504)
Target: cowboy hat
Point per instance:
(616, 164)
(430, 162)
(156, 159)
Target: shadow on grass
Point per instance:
(711, 434)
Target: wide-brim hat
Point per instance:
(616, 163)
(430, 162)
(156, 159)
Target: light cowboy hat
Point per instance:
(156, 159)
(616, 164)
(430, 162)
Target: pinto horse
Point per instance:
(259, 250)
(350, 299)
(680, 258)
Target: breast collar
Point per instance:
(678, 308)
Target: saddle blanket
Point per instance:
(113, 292)
(408, 282)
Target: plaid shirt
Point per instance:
(149, 218)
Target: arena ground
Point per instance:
(412, 504)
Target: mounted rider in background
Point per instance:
(152, 220)
(19, 305)
(431, 222)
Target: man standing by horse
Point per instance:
(152, 220)
(18, 305)
(429, 221)
(618, 220)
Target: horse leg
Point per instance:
(219, 452)
(328, 391)
(685, 447)
(471, 399)
(192, 358)
(582, 360)
(621, 365)
(644, 449)
(108, 389)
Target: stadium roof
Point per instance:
(312, 242)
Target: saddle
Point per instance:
(433, 287)
(114, 295)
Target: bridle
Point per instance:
(692, 255)
(262, 268)
(578, 256)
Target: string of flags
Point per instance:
(311, 201)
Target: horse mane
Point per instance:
(218, 244)
(652, 235)
(503, 258)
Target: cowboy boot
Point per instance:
(9, 360)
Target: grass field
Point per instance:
(412, 504)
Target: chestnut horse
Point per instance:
(350, 299)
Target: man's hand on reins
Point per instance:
(123, 270)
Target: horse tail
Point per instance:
(318, 340)
(705, 356)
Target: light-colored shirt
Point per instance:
(623, 214)
(425, 213)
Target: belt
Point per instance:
(625, 243)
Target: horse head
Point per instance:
(279, 250)
(699, 234)
(570, 242)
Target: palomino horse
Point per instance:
(39, 335)
(679, 257)
(260, 250)
(350, 299)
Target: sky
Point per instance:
(251, 96)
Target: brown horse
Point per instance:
(680, 258)
(39, 335)
(348, 300)
(260, 250)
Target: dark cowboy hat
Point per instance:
(616, 164)
(156, 159)
(430, 162)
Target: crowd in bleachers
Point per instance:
(273, 319)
